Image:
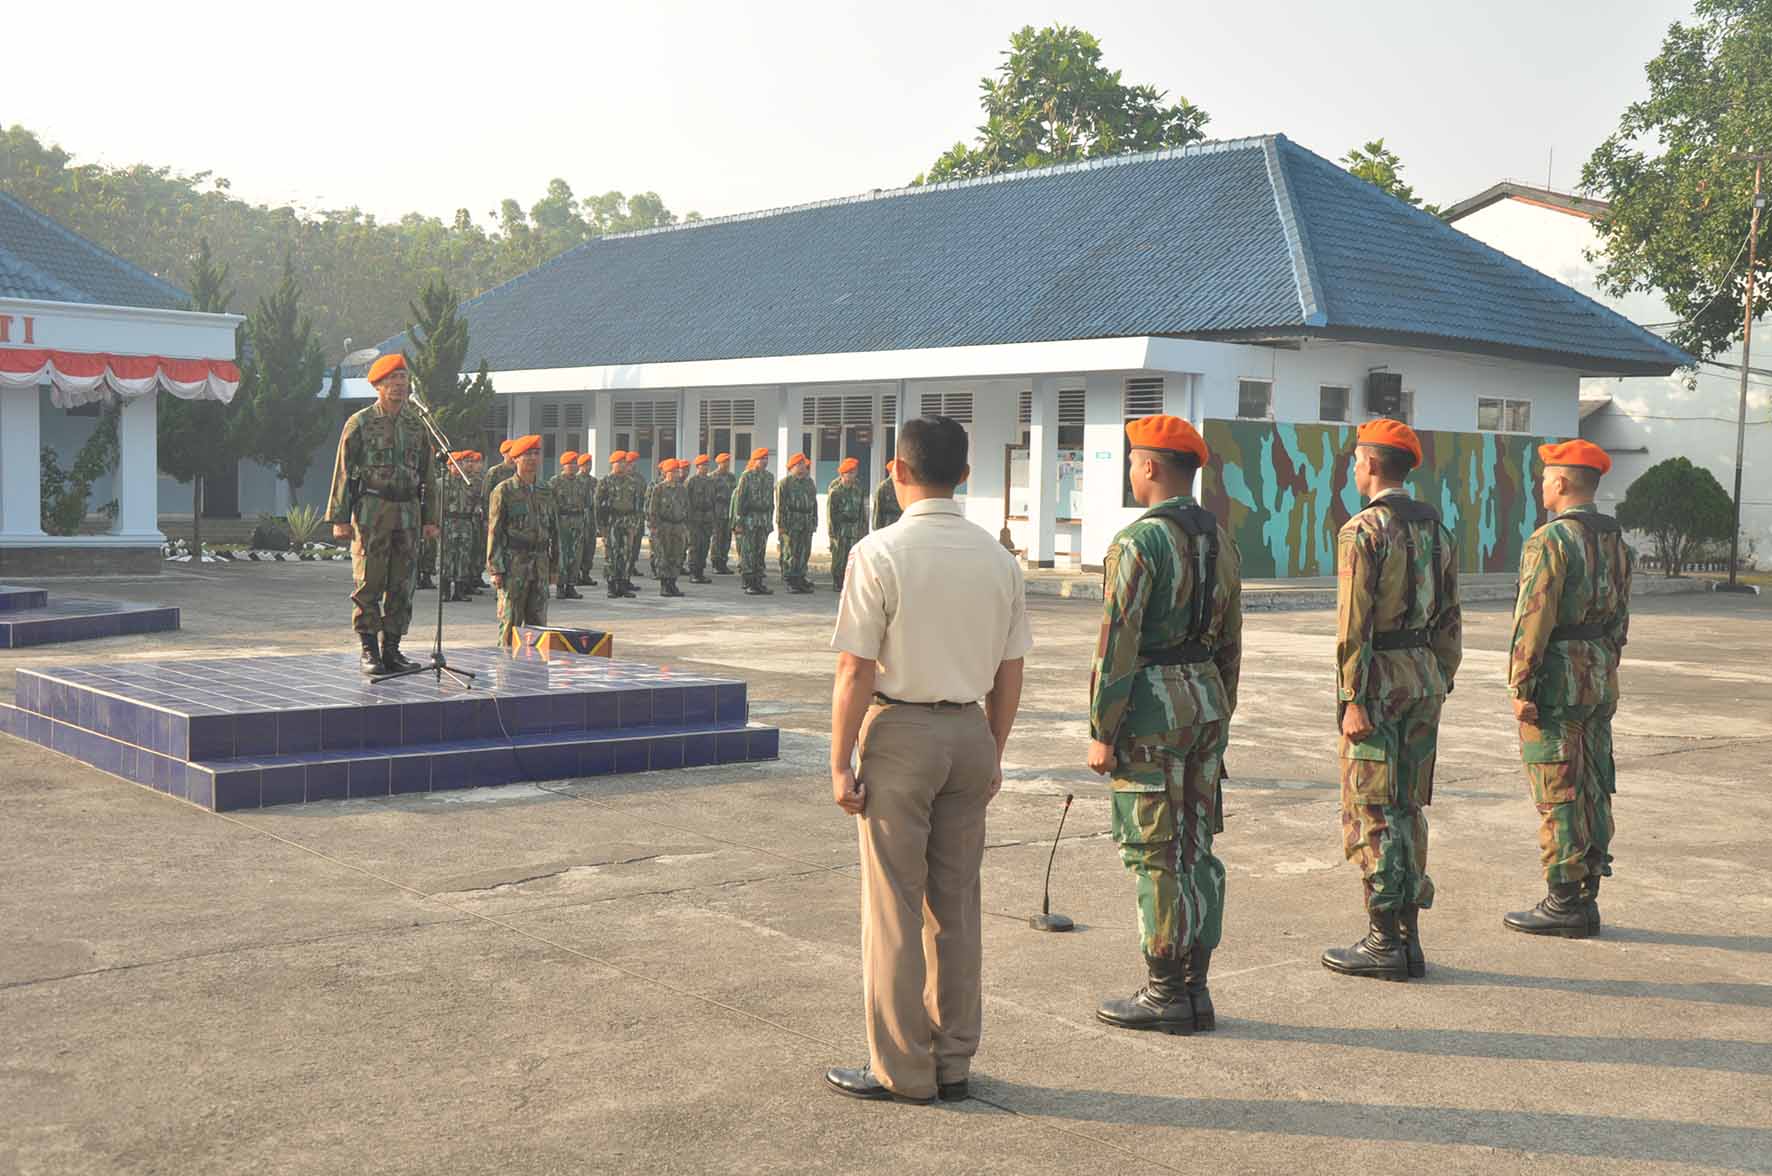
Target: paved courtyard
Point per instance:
(650, 973)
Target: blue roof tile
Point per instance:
(41, 258)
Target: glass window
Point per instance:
(1488, 414)
(1519, 416)
(1332, 402)
(1255, 399)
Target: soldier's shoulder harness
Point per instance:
(1197, 523)
(1593, 520)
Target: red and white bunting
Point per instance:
(79, 377)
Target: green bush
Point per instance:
(303, 523)
(271, 534)
(1680, 507)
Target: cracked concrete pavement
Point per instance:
(649, 974)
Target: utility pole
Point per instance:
(1747, 338)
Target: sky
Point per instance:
(736, 107)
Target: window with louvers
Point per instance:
(644, 414)
(837, 410)
(957, 405)
(1071, 406)
(550, 416)
(1142, 396)
(574, 415)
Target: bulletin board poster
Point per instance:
(1070, 484)
(1018, 483)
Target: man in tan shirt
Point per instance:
(933, 619)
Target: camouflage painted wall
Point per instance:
(1284, 490)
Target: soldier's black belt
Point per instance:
(1592, 631)
(1187, 654)
(891, 701)
(1402, 639)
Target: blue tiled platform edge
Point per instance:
(245, 733)
(29, 617)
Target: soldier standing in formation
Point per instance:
(504, 469)
(1162, 695)
(1570, 623)
(637, 473)
(701, 491)
(569, 514)
(521, 537)
(618, 510)
(381, 501)
(1398, 645)
(886, 508)
(457, 508)
(796, 518)
(587, 554)
(667, 519)
(473, 584)
(753, 506)
(724, 481)
(846, 510)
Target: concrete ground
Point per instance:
(650, 974)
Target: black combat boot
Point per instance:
(371, 654)
(1379, 956)
(1410, 923)
(1162, 1004)
(454, 592)
(587, 582)
(568, 592)
(1197, 964)
(391, 656)
(615, 592)
(699, 578)
(628, 589)
(720, 569)
(669, 588)
(1561, 912)
(424, 580)
(1590, 893)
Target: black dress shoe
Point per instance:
(861, 1083)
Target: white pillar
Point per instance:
(787, 428)
(1043, 473)
(602, 438)
(21, 439)
(138, 444)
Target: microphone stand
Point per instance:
(439, 664)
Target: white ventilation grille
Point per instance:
(550, 416)
(728, 414)
(644, 414)
(1144, 396)
(575, 415)
(837, 410)
(957, 405)
(1071, 403)
(498, 418)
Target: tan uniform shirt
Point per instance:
(937, 602)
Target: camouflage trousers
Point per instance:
(1167, 803)
(701, 534)
(458, 549)
(587, 554)
(669, 543)
(1568, 758)
(618, 546)
(753, 545)
(384, 567)
(637, 533)
(840, 545)
(721, 551)
(794, 548)
(572, 535)
(523, 600)
(477, 566)
(427, 555)
(1387, 782)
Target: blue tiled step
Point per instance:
(78, 618)
(13, 598)
(241, 783)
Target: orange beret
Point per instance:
(504, 448)
(702, 459)
(759, 454)
(1166, 433)
(891, 465)
(630, 456)
(385, 366)
(1576, 453)
(722, 457)
(476, 455)
(847, 464)
(586, 458)
(570, 457)
(796, 460)
(525, 445)
(1392, 435)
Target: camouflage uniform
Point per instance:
(1570, 623)
(1162, 694)
(569, 511)
(886, 508)
(388, 458)
(847, 508)
(701, 491)
(521, 537)
(753, 506)
(619, 498)
(587, 553)
(458, 533)
(724, 482)
(1396, 577)
(667, 518)
(638, 532)
(796, 517)
(498, 473)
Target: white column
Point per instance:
(1043, 473)
(787, 428)
(602, 429)
(21, 439)
(138, 444)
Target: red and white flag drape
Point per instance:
(81, 377)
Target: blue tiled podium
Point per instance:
(254, 732)
(29, 617)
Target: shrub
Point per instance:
(271, 534)
(303, 523)
(1679, 506)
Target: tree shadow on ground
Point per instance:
(1708, 992)
(1743, 1149)
(1755, 943)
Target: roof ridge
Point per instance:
(1304, 268)
(92, 246)
(1542, 280)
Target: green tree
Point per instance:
(437, 348)
(1679, 506)
(1052, 101)
(196, 438)
(284, 373)
(1680, 207)
(1379, 166)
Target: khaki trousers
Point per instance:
(927, 774)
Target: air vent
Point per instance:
(1143, 396)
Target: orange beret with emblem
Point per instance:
(385, 366)
(570, 457)
(1392, 435)
(525, 445)
(1168, 434)
(1576, 453)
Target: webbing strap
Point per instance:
(1195, 522)
(1409, 510)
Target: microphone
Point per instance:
(1046, 920)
